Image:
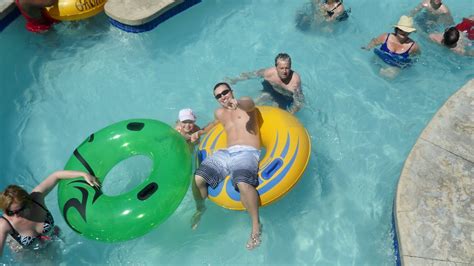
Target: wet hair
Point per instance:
(13, 193)
(450, 36)
(282, 56)
(220, 84)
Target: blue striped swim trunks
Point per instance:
(238, 161)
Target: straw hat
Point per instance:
(405, 24)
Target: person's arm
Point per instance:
(469, 52)
(436, 37)
(50, 182)
(298, 101)
(196, 135)
(246, 76)
(246, 103)
(4, 230)
(375, 41)
(415, 50)
(417, 9)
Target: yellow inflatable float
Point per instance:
(75, 9)
(287, 149)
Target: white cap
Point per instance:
(186, 114)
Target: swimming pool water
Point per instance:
(59, 87)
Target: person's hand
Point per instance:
(365, 48)
(195, 136)
(233, 103)
(91, 180)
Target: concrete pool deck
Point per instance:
(6, 7)
(143, 15)
(8, 13)
(434, 206)
(138, 12)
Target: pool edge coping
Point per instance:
(8, 13)
(444, 138)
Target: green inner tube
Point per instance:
(95, 215)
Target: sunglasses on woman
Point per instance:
(223, 93)
(15, 212)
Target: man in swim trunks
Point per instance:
(436, 13)
(281, 85)
(37, 20)
(239, 160)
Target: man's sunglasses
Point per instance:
(223, 93)
(11, 213)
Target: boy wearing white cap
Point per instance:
(186, 124)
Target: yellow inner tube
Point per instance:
(287, 150)
(75, 9)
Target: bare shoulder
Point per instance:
(415, 48)
(219, 113)
(296, 76)
(4, 226)
(436, 37)
(381, 38)
(269, 72)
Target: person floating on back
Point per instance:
(239, 160)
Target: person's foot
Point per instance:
(197, 217)
(255, 240)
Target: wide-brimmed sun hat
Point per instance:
(405, 23)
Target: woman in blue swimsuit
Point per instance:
(396, 48)
(25, 219)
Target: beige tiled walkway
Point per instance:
(435, 195)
